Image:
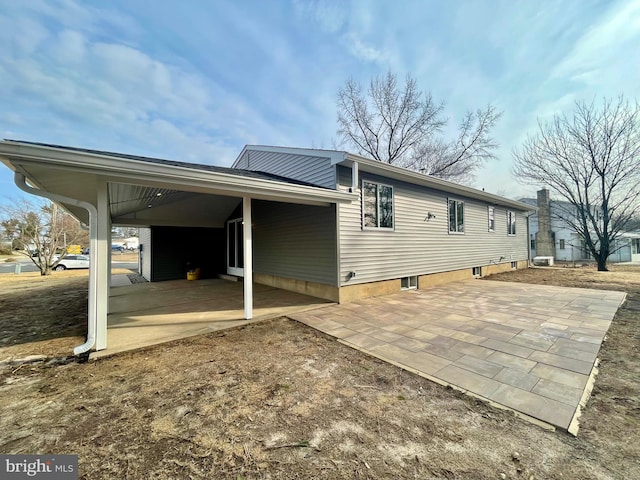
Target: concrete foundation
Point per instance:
(319, 290)
(352, 293)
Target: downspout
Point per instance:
(21, 183)
(530, 261)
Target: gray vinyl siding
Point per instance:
(295, 241)
(144, 237)
(417, 246)
(314, 170)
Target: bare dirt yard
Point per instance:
(277, 399)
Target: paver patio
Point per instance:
(531, 348)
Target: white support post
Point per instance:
(248, 258)
(354, 177)
(103, 246)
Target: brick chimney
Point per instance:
(545, 244)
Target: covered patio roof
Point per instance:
(103, 189)
(150, 191)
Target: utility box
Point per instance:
(543, 261)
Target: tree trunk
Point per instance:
(45, 270)
(602, 264)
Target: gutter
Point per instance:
(21, 183)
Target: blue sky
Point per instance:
(197, 80)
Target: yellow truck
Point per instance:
(74, 249)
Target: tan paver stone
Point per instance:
(422, 361)
(468, 337)
(499, 333)
(578, 337)
(397, 328)
(558, 391)
(517, 378)
(481, 367)
(562, 362)
(507, 348)
(573, 344)
(364, 341)
(410, 344)
(467, 380)
(543, 408)
(532, 340)
(386, 336)
(474, 350)
(445, 352)
(420, 334)
(511, 361)
(573, 353)
(558, 375)
(340, 332)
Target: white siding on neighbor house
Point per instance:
(295, 241)
(418, 245)
(144, 237)
(314, 170)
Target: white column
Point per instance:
(354, 177)
(248, 258)
(103, 268)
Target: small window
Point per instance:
(514, 265)
(533, 244)
(511, 222)
(377, 205)
(409, 283)
(491, 219)
(562, 244)
(456, 216)
(476, 271)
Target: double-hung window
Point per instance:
(377, 205)
(491, 213)
(511, 222)
(456, 216)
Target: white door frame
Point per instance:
(236, 226)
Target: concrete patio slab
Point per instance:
(146, 314)
(529, 348)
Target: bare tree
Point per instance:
(591, 160)
(402, 126)
(41, 231)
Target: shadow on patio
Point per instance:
(150, 313)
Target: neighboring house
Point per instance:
(551, 235)
(321, 222)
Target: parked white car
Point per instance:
(73, 261)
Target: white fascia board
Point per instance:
(334, 156)
(131, 171)
(416, 178)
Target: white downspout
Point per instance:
(21, 183)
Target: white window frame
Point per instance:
(393, 206)
(455, 232)
(411, 282)
(511, 221)
(491, 218)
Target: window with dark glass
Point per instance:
(511, 223)
(377, 205)
(456, 216)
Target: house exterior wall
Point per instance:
(144, 255)
(315, 170)
(567, 244)
(296, 242)
(419, 245)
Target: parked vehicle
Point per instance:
(73, 261)
(117, 249)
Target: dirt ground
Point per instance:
(279, 400)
